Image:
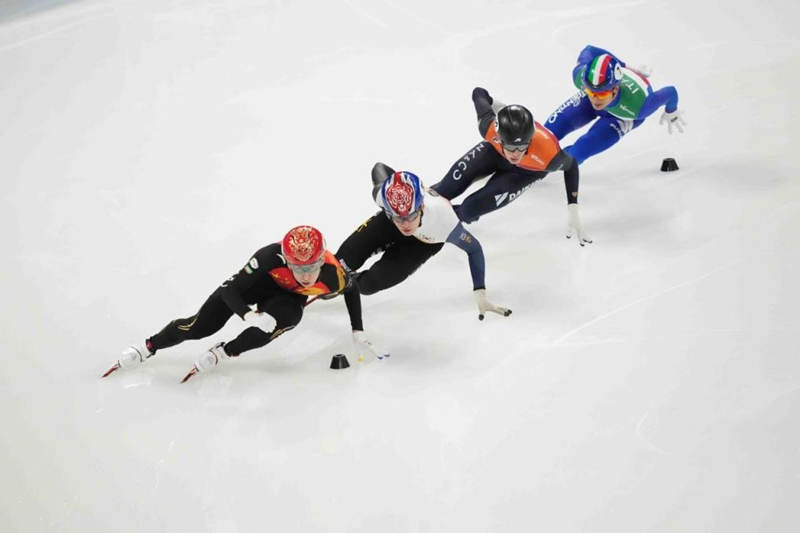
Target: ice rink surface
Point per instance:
(646, 383)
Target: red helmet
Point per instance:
(303, 246)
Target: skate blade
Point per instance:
(110, 370)
(188, 376)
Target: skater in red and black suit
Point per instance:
(268, 294)
(516, 152)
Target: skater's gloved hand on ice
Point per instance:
(254, 319)
(485, 306)
(673, 120)
(364, 346)
(575, 227)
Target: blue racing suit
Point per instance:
(635, 101)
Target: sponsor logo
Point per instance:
(622, 126)
(500, 198)
(572, 102)
(630, 85)
(462, 164)
(424, 237)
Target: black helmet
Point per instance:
(515, 125)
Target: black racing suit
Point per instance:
(254, 284)
(402, 256)
(508, 182)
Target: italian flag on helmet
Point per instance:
(602, 73)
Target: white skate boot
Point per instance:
(133, 355)
(208, 360)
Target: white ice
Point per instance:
(648, 382)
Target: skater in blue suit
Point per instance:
(619, 98)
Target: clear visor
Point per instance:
(306, 269)
(408, 218)
(516, 147)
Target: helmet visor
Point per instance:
(598, 94)
(306, 269)
(411, 217)
(516, 147)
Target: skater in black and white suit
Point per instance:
(412, 226)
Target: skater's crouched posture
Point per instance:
(268, 294)
(412, 226)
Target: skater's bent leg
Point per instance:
(603, 134)
(374, 235)
(397, 263)
(503, 188)
(573, 114)
(480, 161)
(213, 314)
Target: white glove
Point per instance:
(254, 319)
(574, 226)
(674, 119)
(485, 305)
(644, 71)
(364, 345)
